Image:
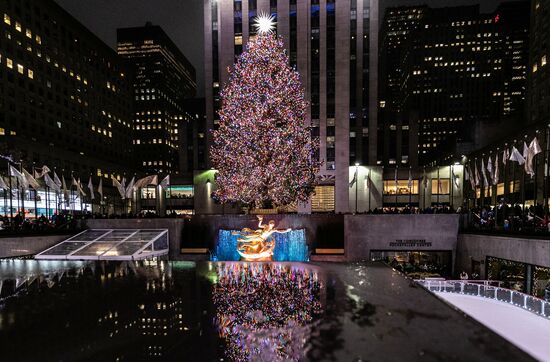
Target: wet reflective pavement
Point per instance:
(133, 311)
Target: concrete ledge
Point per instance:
(28, 245)
(329, 251)
(194, 251)
(476, 247)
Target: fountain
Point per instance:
(264, 244)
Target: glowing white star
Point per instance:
(264, 23)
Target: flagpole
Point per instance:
(22, 191)
(535, 183)
(451, 183)
(410, 187)
(396, 168)
(369, 186)
(506, 190)
(11, 192)
(545, 175)
(438, 184)
(523, 186)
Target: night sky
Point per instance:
(182, 19)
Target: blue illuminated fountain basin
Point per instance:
(291, 246)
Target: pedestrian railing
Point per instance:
(491, 290)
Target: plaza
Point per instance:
(328, 180)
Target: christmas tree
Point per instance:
(263, 150)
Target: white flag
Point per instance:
(505, 156)
(31, 181)
(145, 181)
(100, 187)
(119, 187)
(57, 180)
(476, 175)
(65, 190)
(533, 150)
(165, 182)
(20, 177)
(490, 168)
(495, 174)
(91, 188)
(3, 185)
(484, 173)
(78, 185)
(50, 183)
(130, 188)
(516, 156)
(39, 174)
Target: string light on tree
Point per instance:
(263, 150)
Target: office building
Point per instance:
(334, 47)
(162, 78)
(461, 77)
(193, 152)
(539, 56)
(65, 98)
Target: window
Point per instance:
(28, 33)
(180, 192)
(442, 187)
(17, 26)
(7, 19)
(20, 69)
(323, 199)
(38, 40)
(31, 74)
(148, 192)
(9, 63)
(402, 187)
(543, 61)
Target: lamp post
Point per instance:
(356, 184)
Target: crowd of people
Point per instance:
(509, 218)
(437, 209)
(19, 223)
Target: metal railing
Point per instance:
(489, 289)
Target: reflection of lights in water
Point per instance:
(266, 310)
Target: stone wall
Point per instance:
(475, 248)
(27, 245)
(322, 231)
(365, 233)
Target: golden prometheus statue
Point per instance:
(258, 245)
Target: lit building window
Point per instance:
(9, 63)
(38, 39)
(7, 19)
(442, 187)
(28, 33)
(543, 61)
(17, 26)
(31, 74)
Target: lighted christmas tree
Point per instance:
(263, 150)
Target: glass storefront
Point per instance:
(180, 192)
(417, 264)
(526, 278)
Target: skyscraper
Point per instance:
(334, 46)
(461, 72)
(65, 97)
(162, 78)
(539, 56)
